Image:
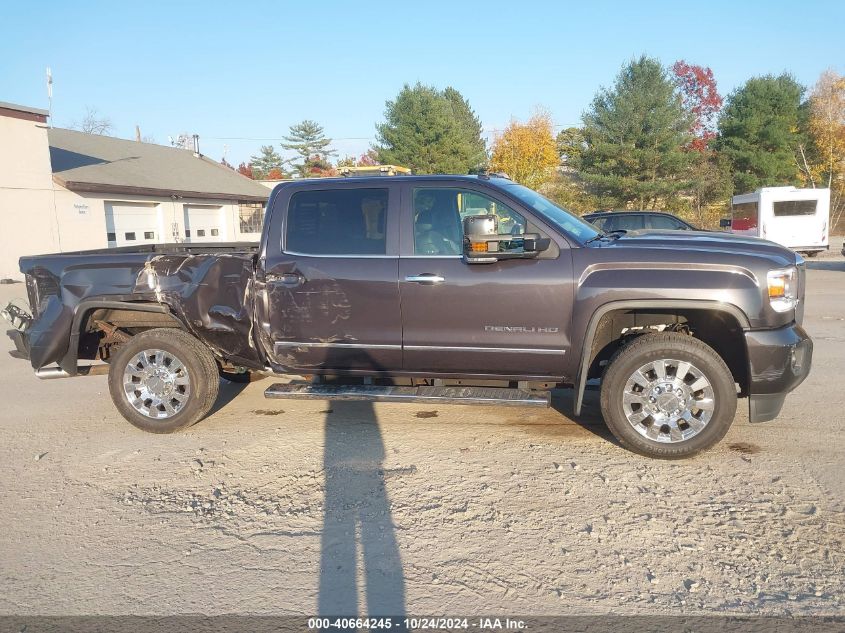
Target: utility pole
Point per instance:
(50, 95)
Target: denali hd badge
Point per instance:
(521, 329)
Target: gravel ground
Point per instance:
(273, 507)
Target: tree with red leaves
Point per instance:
(369, 159)
(245, 170)
(701, 98)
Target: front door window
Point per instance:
(439, 215)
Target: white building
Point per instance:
(62, 190)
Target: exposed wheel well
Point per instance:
(718, 329)
(102, 329)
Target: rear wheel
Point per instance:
(163, 380)
(668, 395)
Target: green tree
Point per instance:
(759, 132)
(430, 131)
(309, 141)
(570, 145)
(635, 137)
(266, 161)
(470, 127)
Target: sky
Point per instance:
(240, 74)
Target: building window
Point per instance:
(129, 236)
(187, 232)
(149, 235)
(111, 237)
(251, 216)
(215, 232)
(200, 232)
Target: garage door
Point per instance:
(203, 223)
(129, 223)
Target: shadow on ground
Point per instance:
(590, 419)
(357, 524)
(228, 392)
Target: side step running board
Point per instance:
(428, 395)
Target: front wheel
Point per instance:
(668, 395)
(163, 380)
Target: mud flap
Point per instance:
(765, 407)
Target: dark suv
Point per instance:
(610, 221)
(468, 290)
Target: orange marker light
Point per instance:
(777, 287)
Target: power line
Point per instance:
(343, 138)
(277, 138)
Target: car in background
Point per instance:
(609, 221)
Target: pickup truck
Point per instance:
(457, 289)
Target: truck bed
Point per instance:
(206, 287)
(169, 249)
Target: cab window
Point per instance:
(439, 215)
(337, 222)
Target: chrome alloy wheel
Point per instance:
(668, 400)
(156, 383)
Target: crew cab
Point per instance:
(458, 289)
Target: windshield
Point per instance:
(570, 224)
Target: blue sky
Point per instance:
(240, 73)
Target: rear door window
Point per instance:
(663, 223)
(337, 222)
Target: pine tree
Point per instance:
(267, 160)
(431, 131)
(759, 132)
(309, 141)
(635, 136)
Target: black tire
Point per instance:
(199, 364)
(654, 347)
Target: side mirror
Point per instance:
(725, 223)
(484, 245)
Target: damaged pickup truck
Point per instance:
(459, 289)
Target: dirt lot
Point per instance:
(290, 508)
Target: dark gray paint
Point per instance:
(357, 315)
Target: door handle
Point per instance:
(426, 278)
(290, 280)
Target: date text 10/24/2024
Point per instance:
(416, 624)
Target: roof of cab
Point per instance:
(394, 179)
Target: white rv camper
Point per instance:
(795, 218)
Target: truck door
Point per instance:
(506, 318)
(327, 286)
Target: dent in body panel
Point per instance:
(210, 294)
(213, 297)
(74, 280)
(295, 315)
(306, 302)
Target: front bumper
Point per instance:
(778, 361)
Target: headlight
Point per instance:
(783, 288)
